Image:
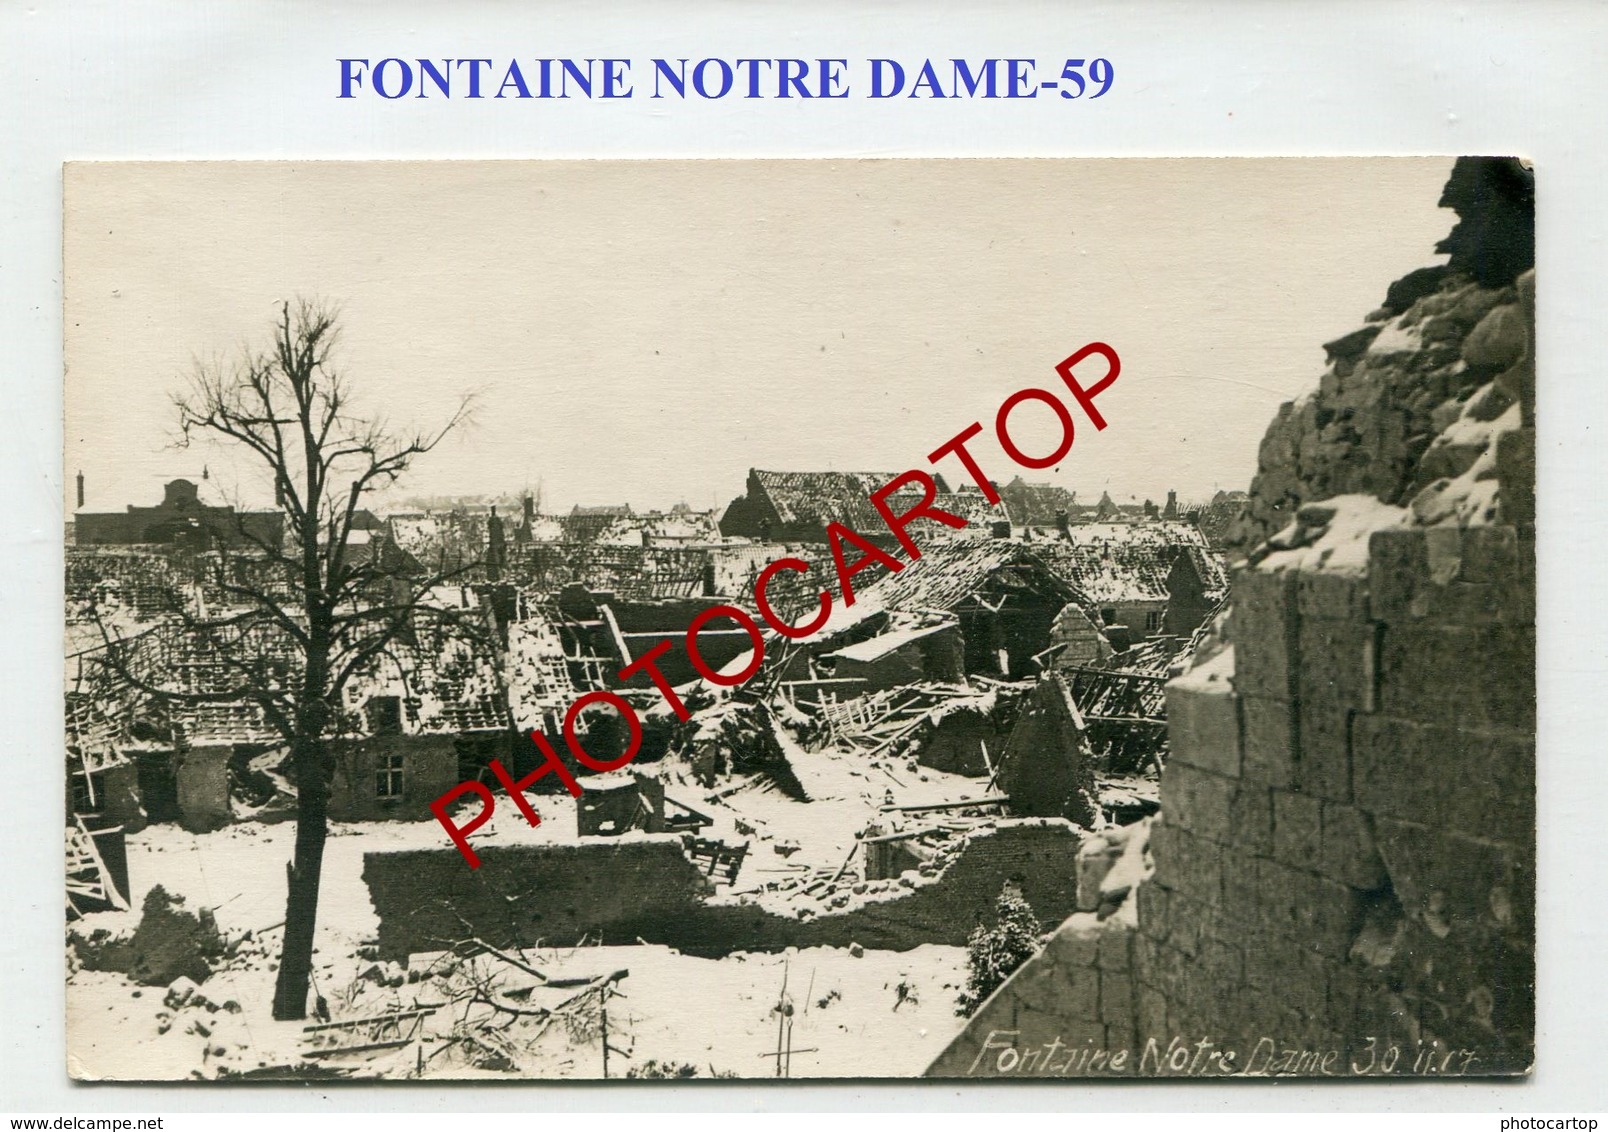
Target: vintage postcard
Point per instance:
(1020, 619)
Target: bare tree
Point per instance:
(296, 607)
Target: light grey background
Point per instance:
(118, 81)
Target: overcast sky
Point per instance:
(648, 331)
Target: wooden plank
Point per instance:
(353, 1023)
(695, 813)
(517, 964)
(990, 800)
(844, 866)
(335, 1051)
(614, 632)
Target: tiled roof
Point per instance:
(844, 497)
(629, 530)
(215, 724)
(1209, 565)
(1036, 504)
(633, 572)
(538, 675)
(482, 713)
(1124, 562)
(91, 732)
(448, 682)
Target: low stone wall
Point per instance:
(1067, 1012)
(644, 888)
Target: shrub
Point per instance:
(993, 953)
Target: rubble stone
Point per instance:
(1499, 340)
(170, 942)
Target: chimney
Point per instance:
(530, 511)
(80, 490)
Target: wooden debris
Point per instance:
(365, 1035)
(989, 800)
(718, 860)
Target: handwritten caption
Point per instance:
(714, 78)
(1001, 1056)
(838, 535)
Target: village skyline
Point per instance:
(145, 492)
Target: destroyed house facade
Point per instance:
(966, 607)
(180, 728)
(1127, 572)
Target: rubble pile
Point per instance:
(169, 943)
(1411, 405)
(740, 738)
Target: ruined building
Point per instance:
(181, 518)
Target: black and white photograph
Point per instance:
(774, 619)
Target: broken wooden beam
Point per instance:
(336, 1051)
(485, 948)
(907, 835)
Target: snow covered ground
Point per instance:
(877, 1014)
(716, 1015)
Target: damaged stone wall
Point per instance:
(202, 778)
(1448, 342)
(429, 768)
(1344, 865)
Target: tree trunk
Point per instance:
(301, 903)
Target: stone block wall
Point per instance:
(1363, 879)
(1344, 864)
